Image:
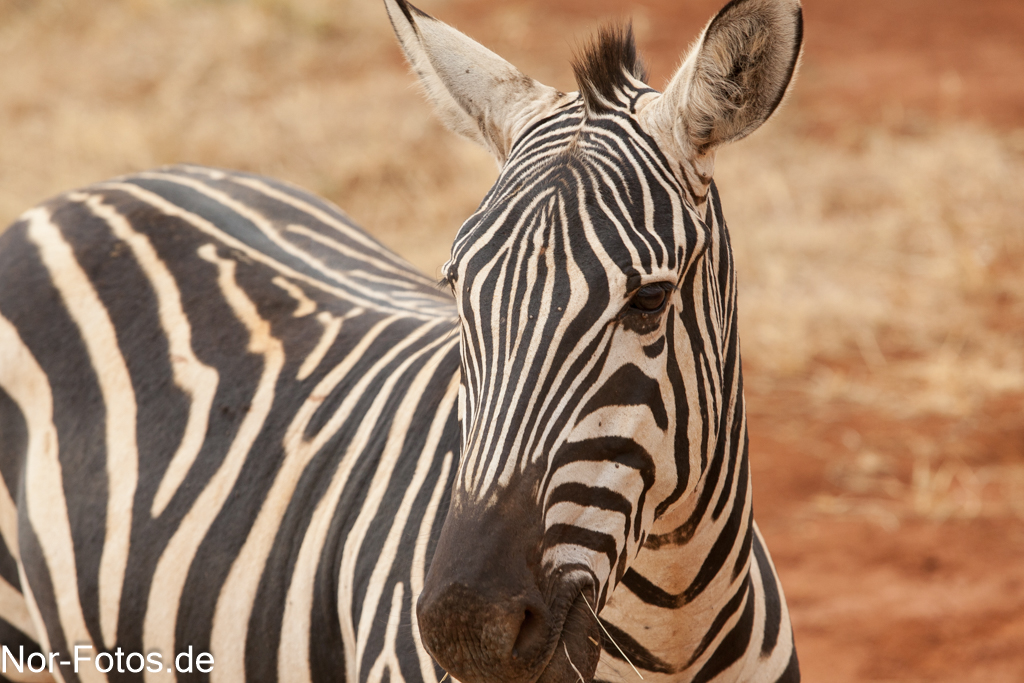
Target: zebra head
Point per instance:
(596, 299)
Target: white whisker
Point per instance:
(571, 664)
(635, 670)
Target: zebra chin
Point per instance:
(518, 640)
(578, 649)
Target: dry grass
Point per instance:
(881, 270)
(938, 491)
(313, 92)
(899, 252)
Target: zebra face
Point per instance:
(579, 283)
(596, 308)
(583, 288)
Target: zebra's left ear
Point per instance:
(475, 92)
(732, 80)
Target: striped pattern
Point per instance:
(227, 421)
(622, 422)
(232, 422)
(604, 460)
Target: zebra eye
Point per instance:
(649, 298)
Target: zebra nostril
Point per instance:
(532, 635)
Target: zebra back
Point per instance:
(220, 401)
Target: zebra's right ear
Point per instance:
(475, 92)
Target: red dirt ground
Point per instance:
(885, 599)
(879, 596)
(927, 600)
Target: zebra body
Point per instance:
(278, 392)
(230, 421)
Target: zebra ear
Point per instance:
(475, 92)
(733, 79)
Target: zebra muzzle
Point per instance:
(492, 611)
(516, 639)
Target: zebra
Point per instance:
(235, 428)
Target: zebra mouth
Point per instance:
(577, 647)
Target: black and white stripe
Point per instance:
(604, 453)
(231, 421)
(220, 402)
(565, 388)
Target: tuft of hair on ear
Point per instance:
(606, 65)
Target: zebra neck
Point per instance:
(680, 601)
(692, 582)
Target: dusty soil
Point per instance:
(891, 574)
(880, 592)
(904, 598)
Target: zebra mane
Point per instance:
(606, 65)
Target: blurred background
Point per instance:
(878, 223)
